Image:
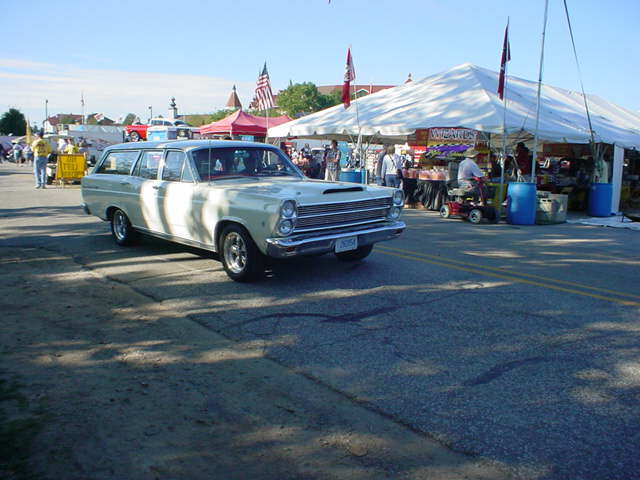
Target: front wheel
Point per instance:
(445, 212)
(240, 256)
(134, 136)
(355, 255)
(475, 215)
(121, 229)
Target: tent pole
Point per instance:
(535, 138)
(504, 136)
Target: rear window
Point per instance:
(118, 163)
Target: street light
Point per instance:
(150, 113)
(46, 112)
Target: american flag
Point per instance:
(264, 95)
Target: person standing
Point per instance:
(378, 167)
(391, 163)
(27, 154)
(523, 162)
(41, 149)
(17, 154)
(332, 159)
(71, 147)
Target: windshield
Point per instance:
(234, 162)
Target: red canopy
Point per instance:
(241, 123)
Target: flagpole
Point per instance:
(504, 130)
(535, 138)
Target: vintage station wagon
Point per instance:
(246, 201)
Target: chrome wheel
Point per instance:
(240, 256)
(235, 252)
(120, 224)
(121, 229)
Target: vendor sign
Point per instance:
(70, 166)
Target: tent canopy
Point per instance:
(465, 96)
(241, 123)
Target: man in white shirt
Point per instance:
(468, 170)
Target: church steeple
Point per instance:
(234, 101)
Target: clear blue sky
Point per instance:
(126, 56)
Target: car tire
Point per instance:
(475, 216)
(445, 211)
(134, 137)
(355, 255)
(239, 254)
(121, 229)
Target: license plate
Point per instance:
(346, 244)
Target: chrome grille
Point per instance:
(335, 215)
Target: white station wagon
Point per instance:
(244, 200)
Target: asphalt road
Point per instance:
(520, 344)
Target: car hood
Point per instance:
(305, 191)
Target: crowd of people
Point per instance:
(37, 154)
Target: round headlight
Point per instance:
(285, 227)
(398, 197)
(394, 212)
(288, 209)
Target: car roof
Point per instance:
(187, 145)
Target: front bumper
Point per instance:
(316, 244)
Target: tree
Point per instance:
(300, 99)
(129, 119)
(197, 120)
(13, 123)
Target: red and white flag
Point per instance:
(506, 57)
(264, 95)
(349, 76)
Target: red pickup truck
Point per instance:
(138, 133)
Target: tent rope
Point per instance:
(575, 54)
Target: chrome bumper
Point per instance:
(325, 243)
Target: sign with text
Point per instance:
(71, 166)
(456, 136)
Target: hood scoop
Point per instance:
(342, 190)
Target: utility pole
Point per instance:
(150, 113)
(46, 112)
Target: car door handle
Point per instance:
(124, 183)
(156, 187)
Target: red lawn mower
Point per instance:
(469, 204)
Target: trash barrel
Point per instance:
(600, 199)
(521, 203)
(353, 176)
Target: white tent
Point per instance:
(465, 96)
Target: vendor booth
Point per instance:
(241, 124)
(461, 105)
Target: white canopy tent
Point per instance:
(465, 96)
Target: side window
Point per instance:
(148, 164)
(118, 163)
(174, 164)
(166, 123)
(156, 122)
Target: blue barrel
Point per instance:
(600, 199)
(353, 176)
(521, 203)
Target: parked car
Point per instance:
(138, 132)
(245, 200)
